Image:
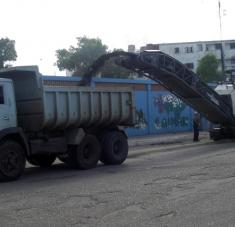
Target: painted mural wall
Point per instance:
(162, 112)
(142, 121)
(169, 113)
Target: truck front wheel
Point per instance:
(12, 161)
(114, 148)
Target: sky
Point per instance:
(40, 27)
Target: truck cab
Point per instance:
(13, 142)
(7, 104)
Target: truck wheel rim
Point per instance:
(87, 152)
(117, 147)
(10, 164)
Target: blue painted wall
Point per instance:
(142, 124)
(157, 111)
(168, 113)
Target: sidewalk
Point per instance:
(169, 138)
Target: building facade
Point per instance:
(190, 53)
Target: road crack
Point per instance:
(166, 214)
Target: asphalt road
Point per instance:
(170, 185)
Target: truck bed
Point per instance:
(43, 107)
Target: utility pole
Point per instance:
(221, 41)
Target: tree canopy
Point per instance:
(78, 59)
(7, 51)
(208, 69)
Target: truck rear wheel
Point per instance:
(86, 155)
(12, 161)
(42, 160)
(114, 148)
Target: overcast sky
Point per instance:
(39, 27)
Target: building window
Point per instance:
(188, 49)
(218, 46)
(232, 45)
(190, 65)
(199, 47)
(233, 60)
(210, 47)
(177, 50)
(1, 95)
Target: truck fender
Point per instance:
(121, 129)
(16, 134)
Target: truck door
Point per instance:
(7, 105)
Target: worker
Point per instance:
(196, 125)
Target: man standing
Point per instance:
(196, 125)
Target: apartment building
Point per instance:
(190, 53)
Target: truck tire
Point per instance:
(216, 135)
(12, 160)
(86, 155)
(42, 160)
(114, 148)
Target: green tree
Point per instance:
(77, 59)
(7, 51)
(208, 69)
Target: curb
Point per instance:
(164, 140)
(142, 151)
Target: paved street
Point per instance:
(185, 184)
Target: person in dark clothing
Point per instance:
(196, 125)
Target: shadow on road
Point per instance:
(59, 173)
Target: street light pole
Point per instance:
(221, 40)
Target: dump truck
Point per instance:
(78, 124)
